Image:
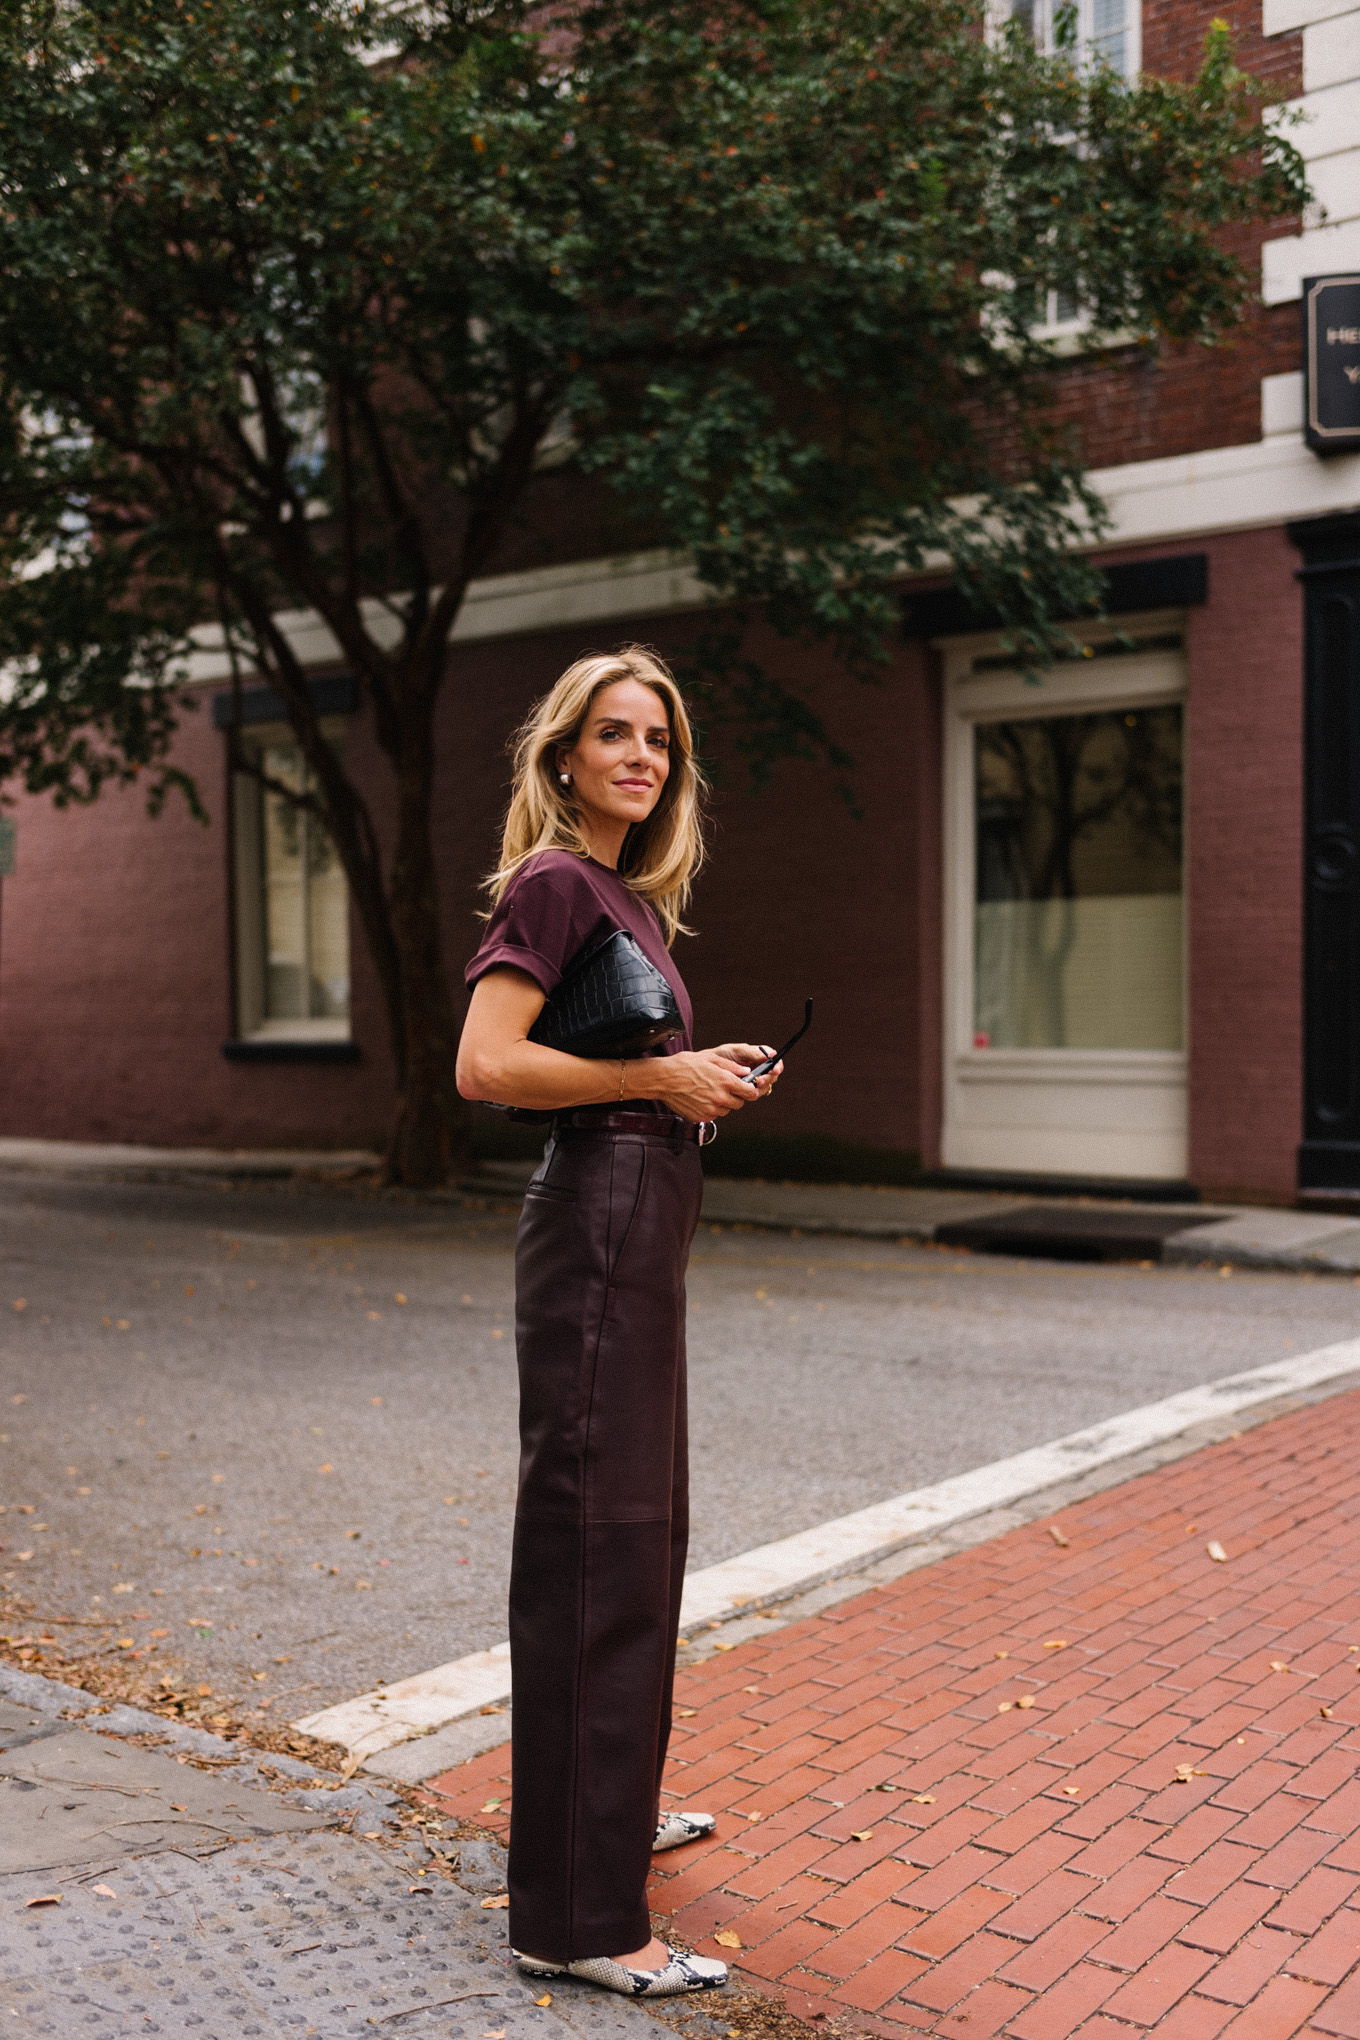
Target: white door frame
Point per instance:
(1047, 1111)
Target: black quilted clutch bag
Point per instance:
(612, 1002)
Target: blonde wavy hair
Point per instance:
(661, 855)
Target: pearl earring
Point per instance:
(565, 778)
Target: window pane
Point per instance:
(1078, 919)
(285, 906)
(329, 917)
(1108, 36)
(306, 905)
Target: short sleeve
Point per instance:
(544, 918)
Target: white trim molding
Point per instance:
(1229, 488)
(658, 583)
(1328, 138)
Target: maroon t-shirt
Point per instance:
(558, 905)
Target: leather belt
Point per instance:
(665, 1125)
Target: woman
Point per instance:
(602, 833)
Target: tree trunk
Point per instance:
(432, 1135)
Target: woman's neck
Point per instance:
(604, 838)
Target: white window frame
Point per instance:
(1050, 1111)
(248, 902)
(1069, 333)
(1044, 12)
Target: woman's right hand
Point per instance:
(701, 1083)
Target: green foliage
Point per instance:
(760, 268)
(297, 297)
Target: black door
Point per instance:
(1329, 1155)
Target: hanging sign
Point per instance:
(1331, 358)
(9, 836)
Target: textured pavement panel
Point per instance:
(89, 1798)
(309, 1931)
(315, 1934)
(1099, 1784)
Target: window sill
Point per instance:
(277, 1048)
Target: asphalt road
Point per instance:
(274, 1435)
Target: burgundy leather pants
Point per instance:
(601, 1529)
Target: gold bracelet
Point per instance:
(622, 1067)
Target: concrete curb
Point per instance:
(453, 1699)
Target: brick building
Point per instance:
(1075, 933)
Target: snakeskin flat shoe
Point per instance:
(681, 1974)
(674, 1829)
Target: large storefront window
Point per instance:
(1078, 937)
(1065, 916)
(292, 905)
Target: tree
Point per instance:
(297, 296)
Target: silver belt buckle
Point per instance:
(708, 1132)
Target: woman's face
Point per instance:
(621, 760)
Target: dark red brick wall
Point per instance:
(799, 897)
(1245, 869)
(115, 986)
(115, 955)
(114, 979)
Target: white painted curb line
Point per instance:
(776, 1572)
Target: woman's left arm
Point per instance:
(498, 1064)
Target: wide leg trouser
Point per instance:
(601, 1529)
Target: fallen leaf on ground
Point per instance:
(492, 1806)
(349, 1767)
(726, 1937)
(862, 1835)
(1278, 1665)
(1056, 1643)
(1005, 1707)
(1001, 1653)
(1072, 1791)
(1185, 1772)
(923, 1798)
(1216, 1552)
(48, 1898)
(497, 1904)
(420, 1890)
(1326, 1713)
(546, 1999)
(104, 1891)
(1025, 1700)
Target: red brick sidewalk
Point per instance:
(1047, 1789)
